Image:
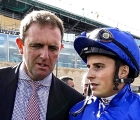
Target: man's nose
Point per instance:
(90, 74)
(44, 53)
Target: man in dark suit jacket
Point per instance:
(61, 96)
(40, 43)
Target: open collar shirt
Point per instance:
(24, 91)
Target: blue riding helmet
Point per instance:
(112, 42)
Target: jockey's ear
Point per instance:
(123, 71)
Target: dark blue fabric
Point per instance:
(124, 106)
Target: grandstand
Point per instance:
(12, 11)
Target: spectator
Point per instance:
(29, 90)
(86, 85)
(69, 81)
(113, 60)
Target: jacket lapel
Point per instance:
(56, 100)
(8, 88)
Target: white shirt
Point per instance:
(23, 93)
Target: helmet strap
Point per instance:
(118, 80)
(116, 77)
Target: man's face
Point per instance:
(101, 73)
(40, 50)
(85, 85)
(70, 83)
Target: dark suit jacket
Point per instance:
(61, 96)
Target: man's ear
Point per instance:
(19, 43)
(62, 46)
(123, 71)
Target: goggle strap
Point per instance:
(116, 82)
(92, 50)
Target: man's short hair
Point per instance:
(65, 79)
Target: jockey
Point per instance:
(113, 60)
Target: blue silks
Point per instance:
(124, 106)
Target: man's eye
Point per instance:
(98, 67)
(53, 48)
(36, 46)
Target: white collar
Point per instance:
(107, 100)
(23, 76)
